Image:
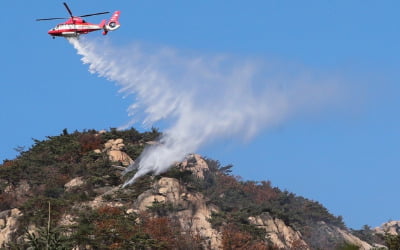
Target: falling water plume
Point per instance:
(203, 98)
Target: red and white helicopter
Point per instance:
(76, 26)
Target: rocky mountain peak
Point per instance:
(391, 227)
(194, 163)
(196, 204)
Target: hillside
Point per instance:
(65, 193)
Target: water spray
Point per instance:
(204, 98)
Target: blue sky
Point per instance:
(347, 157)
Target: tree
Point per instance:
(392, 241)
(233, 238)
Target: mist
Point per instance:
(201, 98)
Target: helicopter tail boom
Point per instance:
(112, 24)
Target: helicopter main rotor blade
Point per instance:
(71, 15)
(52, 18)
(95, 14)
(68, 9)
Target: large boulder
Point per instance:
(191, 208)
(280, 235)
(353, 240)
(114, 150)
(325, 236)
(8, 225)
(74, 183)
(196, 164)
(391, 227)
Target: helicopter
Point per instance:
(76, 26)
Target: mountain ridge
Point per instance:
(198, 203)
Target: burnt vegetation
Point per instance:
(37, 178)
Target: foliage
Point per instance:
(43, 237)
(238, 200)
(132, 135)
(35, 211)
(6, 201)
(132, 191)
(368, 235)
(161, 209)
(47, 239)
(234, 238)
(70, 154)
(183, 176)
(392, 241)
(49, 164)
(347, 246)
(113, 228)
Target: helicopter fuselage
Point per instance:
(75, 27)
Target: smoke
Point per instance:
(202, 98)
